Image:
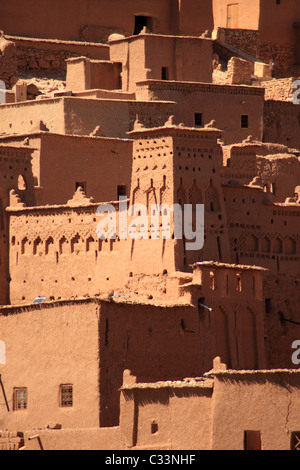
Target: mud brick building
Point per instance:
(116, 120)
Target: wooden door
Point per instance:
(232, 15)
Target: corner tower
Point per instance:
(181, 165)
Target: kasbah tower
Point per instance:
(146, 113)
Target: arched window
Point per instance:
(277, 245)
(181, 195)
(36, 245)
(195, 195)
(49, 245)
(75, 243)
(252, 243)
(89, 243)
(21, 183)
(24, 244)
(63, 245)
(265, 245)
(212, 199)
(290, 246)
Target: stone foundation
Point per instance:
(8, 62)
(245, 40)
(43, 59)
(283, 57)
(239, 71)
(11, 440)
(279, 90)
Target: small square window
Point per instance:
(154, 427)
(198, 119)
(244, 121)
(20, 399)
(66, 396)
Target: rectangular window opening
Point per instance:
(252, 440)
(66, 396)
(198, 120)
(244, 121)
(164, 73)
(20, 400)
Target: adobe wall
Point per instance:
(276, 22)
(262, 233)
(66, 351)
(77, 262)
(85, 74)
(79, 116)
(265, 401)
(33, 144)
(234, 294)
(151, 342)
(169, 406)
(15, 163)
(281, 120)
(248, 14)
(177, 340)
(51, 55)
(106, 94)
(187, 59)
(239, 163)
(282, 298)
(181, 166)
(139, 332)
(184, 58)
(18, 118)
(76, 439)
(191, 414)
(95, 156)
(97, 20)
(115, 117)
(195, 17)
(94, 340)
(243, 162)
(280, 174)
(212, 101)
